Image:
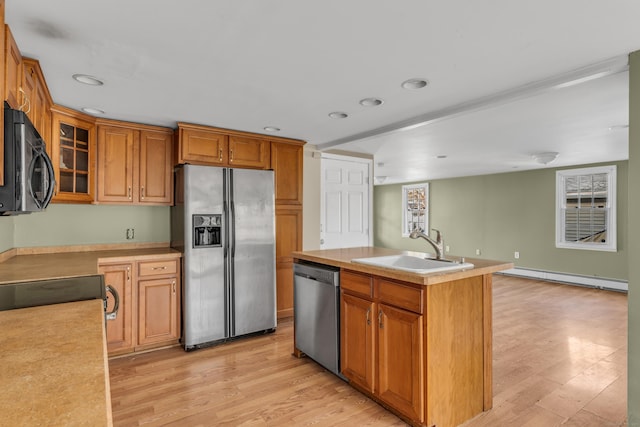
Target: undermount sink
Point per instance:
(414, 264)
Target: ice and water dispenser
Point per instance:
(207, 230)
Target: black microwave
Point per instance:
(29, 179)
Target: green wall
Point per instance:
(500, 214)
(633, 373)
(65, 224)
(6, 233)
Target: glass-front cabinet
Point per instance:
(74, 147)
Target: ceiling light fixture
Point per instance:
(92, 110)
(88, 80)
(415, 83)
(441, 156)
(371, 102)
(545, 158)
(271, 129)
(338, 115)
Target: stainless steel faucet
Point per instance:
(437, 244)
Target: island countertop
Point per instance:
(54, 366)
(342, 258)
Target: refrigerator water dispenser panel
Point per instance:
(207, 230)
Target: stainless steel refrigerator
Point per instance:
(224, 223)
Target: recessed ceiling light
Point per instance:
(371, 102)
(338, 115)
(271, 129)
(88, 80)
(441, 156)
(414, 83)
(92, 110)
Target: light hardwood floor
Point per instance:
(559, 359)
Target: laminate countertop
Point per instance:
(342, 258)
(24, 268)
(53, 366)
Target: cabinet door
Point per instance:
(73, 149)
(119, 331)
(115, 164)
(156, 174)
(288, 239)
(286, 162)
(13, 70)
(357, 340)
(249, 152)
(157, 310)
(202, 147)
(400, 360)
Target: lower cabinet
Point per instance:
(149, 314)
(119, 333)
(382, 342)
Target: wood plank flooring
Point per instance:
(559, 359)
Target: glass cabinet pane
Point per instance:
(82, 161)
(66, 182)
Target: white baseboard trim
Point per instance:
(572, 279)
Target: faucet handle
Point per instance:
(438, 234)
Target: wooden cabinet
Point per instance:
(149, 314)
(73, 151)
(119, 332)
(423, 351)
(219, 147)
(134, 164)
(382, 342)
(286, 162)
(12, 70)
(37, 99)
(2, 86)
(288, 239)
(158, 302)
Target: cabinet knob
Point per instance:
(221, 154)
(174, 286)
(368, 312)
(129, 192)
(231, 155)
(380, 324)
(142, 192)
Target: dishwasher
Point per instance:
(316, 299)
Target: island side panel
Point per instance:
(455, 351)
(487, 305)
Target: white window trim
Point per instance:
(424, 185)
(611, 244)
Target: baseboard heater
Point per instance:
(571, 279)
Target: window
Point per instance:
(586, 208)
(415, 208)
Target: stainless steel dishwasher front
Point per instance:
(316, 308)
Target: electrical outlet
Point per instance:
(516, 255)
(130, 233)
(446, 248)
(478, 252)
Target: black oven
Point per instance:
(29, 179)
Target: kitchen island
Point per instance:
(54, 366)
(419, 344)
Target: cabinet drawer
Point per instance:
(155, 268)
(399, 295)
(355, 282)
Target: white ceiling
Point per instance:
(495, 70)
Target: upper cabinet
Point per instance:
(205, 145)
(37, 99)
(286, 161)
(134, 164)
(12, 70)
(73, 149)
(2, 88)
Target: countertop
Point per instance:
(24, 268)
(53, 366)
(342, 258)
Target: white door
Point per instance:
(345, 216)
